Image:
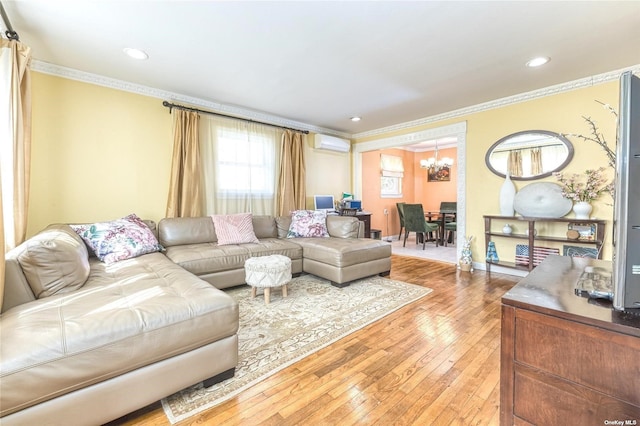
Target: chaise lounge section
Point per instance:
(105, 344)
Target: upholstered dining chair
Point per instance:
(450, 229)
(400, 207)
(414, 221)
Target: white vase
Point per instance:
(582, 209)
(507, 195)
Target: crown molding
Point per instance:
(73, 74)
(112, 83)
(502, 102)
(455, 129)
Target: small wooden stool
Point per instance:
(268, 272)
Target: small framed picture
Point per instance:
(586, 231)
(577, 251)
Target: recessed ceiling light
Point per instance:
(135, 53)
(536, 62)
(356, 118)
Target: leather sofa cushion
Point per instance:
(193, 230)
(338, 226)
(128, 315)
(343, 226)
(54, 261)
(264, 227)
(202, 259)
(283, 223)
(186, 230)
(343, 252)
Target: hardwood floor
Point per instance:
(433, 362)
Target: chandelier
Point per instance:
(434, 164)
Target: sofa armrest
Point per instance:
(16, 287)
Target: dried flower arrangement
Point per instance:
(574, 189)
(598, 137)
(594, 186)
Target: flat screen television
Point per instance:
(626, 220)
(324, 202)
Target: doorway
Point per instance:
(454, 131)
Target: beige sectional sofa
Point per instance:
(130, 334)
(85, 342)
(341, 258)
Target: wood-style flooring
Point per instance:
(433, 362)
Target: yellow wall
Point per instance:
(328, 172)
(97, 153)
(560, 113)
(100, 154)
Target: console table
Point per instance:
(490, 233)
(566, 359)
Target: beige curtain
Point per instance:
(292, 181)
(185, 188)
(514, 163)
(536, 161)
(15, 138)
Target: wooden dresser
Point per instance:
(566, 359)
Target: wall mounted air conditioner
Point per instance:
(331, 143)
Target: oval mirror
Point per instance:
(528, 155)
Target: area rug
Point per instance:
(272, 337)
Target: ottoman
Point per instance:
(268, 272)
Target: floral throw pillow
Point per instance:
(234, 228)
(308, 224)
(119, 239)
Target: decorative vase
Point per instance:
(507, 195)
(507, 230)
(582, 209)
(492, 254)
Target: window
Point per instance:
(245, 165)
(240, 162)
(392, 172)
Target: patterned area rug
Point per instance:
(272, 337)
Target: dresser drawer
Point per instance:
(599, 359)
(545, 399)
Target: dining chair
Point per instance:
(448, 206)
(400, 207)
(450, 229)
(449, 212)
(414, 221)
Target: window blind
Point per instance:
(391, 166)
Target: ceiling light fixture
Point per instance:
(356, 118)
(135, 53)
(436, 165)
(536, 62)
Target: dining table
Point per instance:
(441, 217)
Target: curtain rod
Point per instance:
(186, 108)
(10, 33)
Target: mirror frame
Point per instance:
(558, 136)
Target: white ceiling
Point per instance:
(319, 63)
